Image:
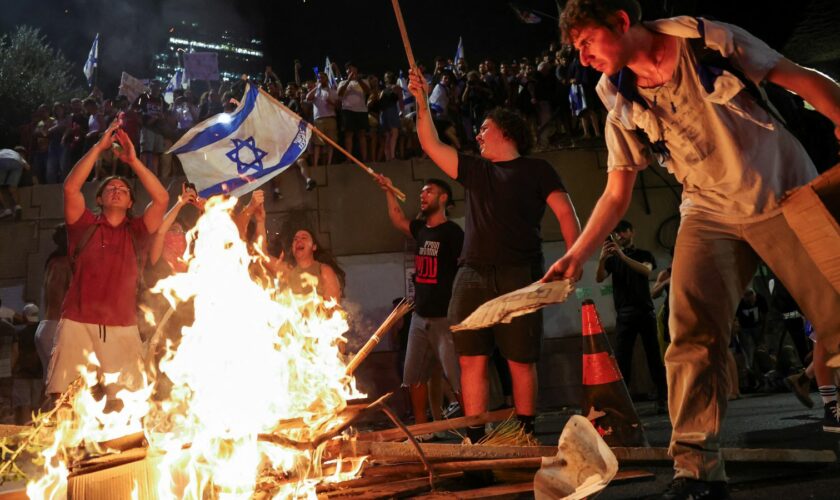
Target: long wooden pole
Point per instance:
(406, 43)
(399, 194)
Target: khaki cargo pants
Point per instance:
(713, 263)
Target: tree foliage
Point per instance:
(31, 73)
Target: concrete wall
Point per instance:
(348, 212)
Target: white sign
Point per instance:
(201, 66)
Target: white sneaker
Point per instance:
(6, 213)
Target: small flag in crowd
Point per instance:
(176, 82)
(408, 99)
(328, 69)
(92, 60)
(525, 15)
(236, 153)
(459, 52)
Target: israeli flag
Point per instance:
(92, 60)
(236, 153)
(176, 82)
(459, 52)
(328, 69)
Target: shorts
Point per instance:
(118, 349)
(10, 172)
(352, 121)
(329, 126)
(430, 342)
(27, 392)
(520, 340)
(151, 141)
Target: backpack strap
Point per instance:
(710, 64)
(83, 241)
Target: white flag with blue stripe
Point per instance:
(176, 82)
(236, 153)
(328, 69)
(459, 52)
(92, 60)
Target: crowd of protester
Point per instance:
(368, 114)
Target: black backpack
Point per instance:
(813, 130)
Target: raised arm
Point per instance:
(395, 212)
(607, 212)
(153, 215)
(445, 157)
(74, 201)
(816, 88)
(156, 250)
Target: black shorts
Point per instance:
(519, 340)
(352, 121)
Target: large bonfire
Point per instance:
(256, 360)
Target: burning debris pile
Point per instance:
(251, 401)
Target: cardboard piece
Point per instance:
(132, 480)
(813, 212)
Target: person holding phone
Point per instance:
(630, 268)
(354, 111)
(99, 313)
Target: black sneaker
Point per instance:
(831, 421)
(310, 184)
(683, 488)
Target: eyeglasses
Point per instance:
(117, 189)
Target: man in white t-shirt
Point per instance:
(735, 162)
(324, 100)
(354, 112)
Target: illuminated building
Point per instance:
(238, 53)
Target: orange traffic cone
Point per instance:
(606, 402)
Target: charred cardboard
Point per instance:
(120, 481)
(813, 212)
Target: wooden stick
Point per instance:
(399, 194)
(403, 33)
(402, 308)
(392, 490)
(439, 426)
(455, 466)
(406, 44)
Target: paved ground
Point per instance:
(758, 421)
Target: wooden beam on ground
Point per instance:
(438, 426)
(757, 455)
(441, 451)
(391, 490)
(503, 463)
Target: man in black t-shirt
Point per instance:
(506, 197)
(630, 268)
(439, 243)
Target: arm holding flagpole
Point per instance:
(399, 194)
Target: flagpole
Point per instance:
(399, 194)
(406, 43)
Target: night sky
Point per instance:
(362, 30)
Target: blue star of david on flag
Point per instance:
(248, 144)
(234, 153)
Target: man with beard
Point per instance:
(439, 243)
